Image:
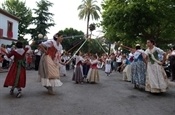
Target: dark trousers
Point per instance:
(86, 68)
(37, 60)
(173, 70)
(5, 64)
(118, 66)
(67, 66)
(172, 67)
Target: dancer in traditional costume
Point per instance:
(93, 75)
(127, 70)
(108, 65)
(156, 79)
(49, 63)
(78, 71)
(16, 77)
(138, 68)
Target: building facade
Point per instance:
(8, 28)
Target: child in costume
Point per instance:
(16, 77)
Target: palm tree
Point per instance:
(89, 9)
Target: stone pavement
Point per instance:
(111, 96)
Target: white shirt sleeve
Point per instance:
(47, 43)
(81, 58)
(160, 51)
(173, 52)
(36, 51)
(146, 52)
(94, 61)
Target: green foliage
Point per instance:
(74, 39)
(43, 19)
(19, 9)
(132, 21)
(95, 46)
(88, 9)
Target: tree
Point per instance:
(134, 21)
(72, 39)
(19, 9)
(95, 46)
(43, 19)
(89, 9)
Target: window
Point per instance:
(9, 29)
(10, 26)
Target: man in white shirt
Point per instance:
(119, 61)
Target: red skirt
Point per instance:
(11, 77)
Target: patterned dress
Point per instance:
(138, 69)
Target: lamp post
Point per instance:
(109, 51)
(40, 36)
(45, 38)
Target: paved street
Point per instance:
(111, 96)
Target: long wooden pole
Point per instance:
(77, 51)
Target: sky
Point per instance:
(65, 15)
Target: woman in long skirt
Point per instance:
(156, 78)
(108, 69)
(16, 77)
(78, 71)
(93, 75)
(48, 69)
(138, 68)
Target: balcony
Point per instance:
(9, 34)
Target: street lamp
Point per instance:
(109, 51)
(45, 38)
(40, 36)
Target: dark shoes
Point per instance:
(18, 95)
(11, 91)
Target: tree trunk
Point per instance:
(87, 34)
(88, 18)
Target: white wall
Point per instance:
(5, 42)
(3, 24)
